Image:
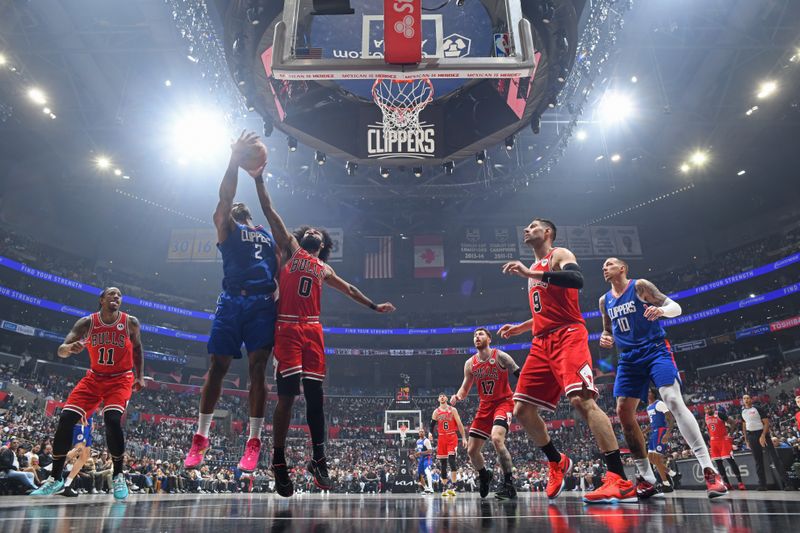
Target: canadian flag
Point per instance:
(428, 256)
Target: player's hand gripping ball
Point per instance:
(254, 157)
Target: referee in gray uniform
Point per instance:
(755, 425)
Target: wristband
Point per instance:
(373, 306)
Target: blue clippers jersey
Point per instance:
(248, 260)
(423, 459)
(657, 418)
(628, 325)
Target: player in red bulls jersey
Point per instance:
(722, 444)
(299, 348)
(446, 420)
(489, 369)
(114, 343)
(559, 362)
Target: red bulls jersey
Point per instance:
(447, 422)
(109, 345)
(716, 428)
(552, 307)
(491, 379)
(300, 285)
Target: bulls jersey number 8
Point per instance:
(537, 302)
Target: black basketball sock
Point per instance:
(117, 465)
(551, 452)
(735, 468)
(507, 477)
(614, 463)
(319, 452)
(279, 456)
(482, 471)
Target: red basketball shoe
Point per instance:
(555, 475)
(613, 490)
(252, 450)
(714, 484)
(197, 453)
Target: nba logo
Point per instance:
(502, 46)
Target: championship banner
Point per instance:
(337, 250)
(428, 256)
(497, 244)
(193, 245)
(402, 31)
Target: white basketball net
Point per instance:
(401, 102)
(403, 433)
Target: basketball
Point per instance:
(256, 157)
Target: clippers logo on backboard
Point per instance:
(414, 144)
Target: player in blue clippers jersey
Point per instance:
(630, 311)
(78, 455)
(657, 446)
(424, 455)
(246, 310)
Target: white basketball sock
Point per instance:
(687, 423)
(255, 427)
(204, 424)
(645, 470)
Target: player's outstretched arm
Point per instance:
(564, 270)
(135, 331)
(660, 303)
(352, 292)
(73, 343)
(507, 362)
(512, 330)
(466, 385)
(607, 337)
(227, 189)
(460, 425)
(283, 237)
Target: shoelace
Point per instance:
(551, 474)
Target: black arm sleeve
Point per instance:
(570, 277)
(517, 371)
(433, 426)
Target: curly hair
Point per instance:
(327, 242)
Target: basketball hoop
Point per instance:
(403, 432)
(401, 102)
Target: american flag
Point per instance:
(378, 258)
(308, 53)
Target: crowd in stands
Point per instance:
(362, 458)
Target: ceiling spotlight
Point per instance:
(36, 94)
(615, 107)
(102, 162)
(766, 89)
(563, 74)
(510, 142)
(126, 177)
(552, 102)
(616, 157)
(417, 172)
(480, 157)
(292, 142)
(685, 167)
(117, 172)
(634, 79)
(3, 60)
(320, 157)
(351, 167)
(448, 167)
(167, 83)
(46, 110)
(581, 135)
(384, 172)
(599, 158)
(52, 116)
(699, 158)
(536, 123)
(741, 173)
